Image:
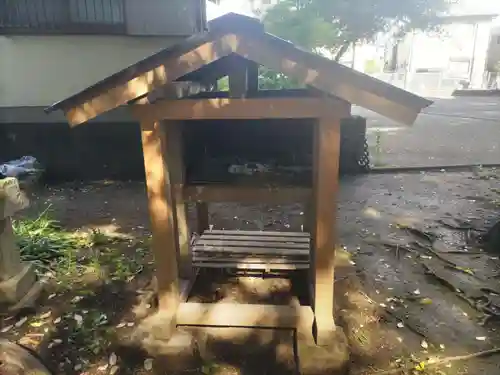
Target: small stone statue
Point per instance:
(18, 281)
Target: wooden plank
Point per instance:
(238, 81)
(249, 250)
(164, 234)
(255, 233)
(237, 109)
(152, 79)
(273, 245)
(174, 155)
(243, 315)
(326, 171)
(241, 194)
(245, 266)
(258, 238)
(332, 77)
(252, 77)
(250, 260)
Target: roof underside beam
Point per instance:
(264, 49)
(151, 80)
(241, 109)
(333, 78)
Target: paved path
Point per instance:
(451, 131)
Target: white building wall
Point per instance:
(247, 7)
(40, 70)
(493, 58)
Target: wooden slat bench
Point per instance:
(252, 250)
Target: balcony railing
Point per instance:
(62, 16)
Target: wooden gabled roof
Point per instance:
(243, 36)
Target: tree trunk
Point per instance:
(342, 50)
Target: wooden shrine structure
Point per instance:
(168, 91)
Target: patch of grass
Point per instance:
(50, 247)
(43, 242)
(122, 267)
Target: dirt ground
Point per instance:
(416, 284)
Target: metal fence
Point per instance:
(62, 16)
(437, 84)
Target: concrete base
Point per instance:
(173, 349)
(180, 353)
(14, 289)
(327, 359)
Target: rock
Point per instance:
(10, 257)
(18, 282)
(328, 359)
(12, 199)
(16, 360)
(180, 353)
(154, 332)
(16, 288)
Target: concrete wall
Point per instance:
(39, 70)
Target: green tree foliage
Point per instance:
(335, 24)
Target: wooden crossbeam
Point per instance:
(282, 195)
(239, 109)
(243, 315)
(165, 73)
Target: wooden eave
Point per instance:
(197, 52)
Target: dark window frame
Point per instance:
(40, 17)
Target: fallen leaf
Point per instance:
(400, 325)
(481, 338)
(426, 301)
(121, 325)
(55, 343)
(103, 367)
(7, 329)
(52, 296)
(77, 299)
(57, 320)
(466, 270)
(112, 359)
(78, 319)
(420, 367)
(113, 370)
(36, 324)
(416, 292)
(46, 315)
(424, 344)
(131, 324)
(77, 367)
(21, 322)
(148, 364)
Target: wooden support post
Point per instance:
(324, 238)
(174, 155)
(252, 77)
(160, 202)
(202, 220)
(238, 81)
